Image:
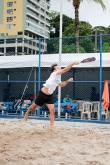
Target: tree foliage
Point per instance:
(88, 35)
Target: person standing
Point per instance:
(45, 96)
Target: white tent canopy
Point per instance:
(48, 59)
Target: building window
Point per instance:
(10, 41)
(19, 49)
(20, 33)
(42, 10)
(42, 17)
(2, 34)
(9, 19)
(47, 13)
(26, 33)
(10, 26)
(25, 40)
(10, 50)
(1, 51)
(9, 4)
(10, 11)
(47, 1)
(42, 24)
(1, 41)
(20, 40)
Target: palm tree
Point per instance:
(76, 5)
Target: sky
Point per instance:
(89, 11)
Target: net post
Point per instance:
(100, 76)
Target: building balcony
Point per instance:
(37, 29)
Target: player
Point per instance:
(46, 93)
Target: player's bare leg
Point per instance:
(30, 109)
(52, 115)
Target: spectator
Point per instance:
(32, 97)
(94, 94)
(67, 99)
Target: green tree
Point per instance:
(69, 30)
(53, 45)
(54, 23)
(71, 49)
(85, 29)
(108, 30)
(76, 5)
(87, 43)
(85, 39)
(106, 47)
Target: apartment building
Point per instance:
(24, 24)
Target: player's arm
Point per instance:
(64, 83)
(66, 69)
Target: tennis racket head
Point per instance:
(86, 60)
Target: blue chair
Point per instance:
(70, 108)
(9, 106)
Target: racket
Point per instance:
(86, 60)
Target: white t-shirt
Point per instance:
(52, 82)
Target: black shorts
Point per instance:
(44, 99)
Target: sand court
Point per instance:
(32, 143)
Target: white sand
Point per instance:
(31, 143)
